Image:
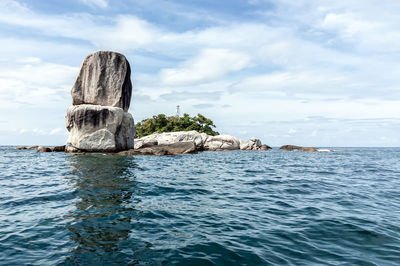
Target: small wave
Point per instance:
(324, 150)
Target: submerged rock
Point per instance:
(265, 147)
(164, 149)
(58, 148)
(32, 147)
(104, 79)
(298, 148)
(43, 149)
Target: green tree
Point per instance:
(161, 123)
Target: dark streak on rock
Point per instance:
(94, 118)
(127, 88)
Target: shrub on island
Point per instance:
(162, 123)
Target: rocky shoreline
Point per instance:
(184, 142)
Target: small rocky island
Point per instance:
(99, 121)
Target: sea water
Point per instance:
(226, 208)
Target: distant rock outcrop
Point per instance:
(202, 142)
(42, 148)
(297, 148)
(98, 120)
(253, 144)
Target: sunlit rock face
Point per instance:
(221, 142)
(104, 79)
(99, 120)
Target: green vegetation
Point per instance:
(161, 123)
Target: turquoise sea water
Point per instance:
(224, 208)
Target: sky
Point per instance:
(304, 72)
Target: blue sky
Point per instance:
(305, 72)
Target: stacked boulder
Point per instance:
(98, 120)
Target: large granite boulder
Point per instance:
(98, 120)
(99, 128)
(104, 79)
(297, 148)
(164, 149)
(221, 142)
(171, 137)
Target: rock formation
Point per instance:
(171, 137)
(43, 149)
(98, 120)
(297, 148)
(221, 142)
(253, 144)
(202, 142)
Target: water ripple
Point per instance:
(212, 208)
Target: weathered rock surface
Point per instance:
(171, 137)
(43, 149)
(104, 79)
(221, 142)
(201, 140)
(32, 147)
(98, 121)
(298, 148)
(252, 144)
(164, 149)
(58, 148)
(265, 147)
(99, 129)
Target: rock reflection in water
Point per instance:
(106, 188)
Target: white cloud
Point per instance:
(314, 133)
(124, 31)
(41, 132)
(56, 131)
(348, 25)
(39, 84)
(29, 60)
(210, 64)
(292, 131)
